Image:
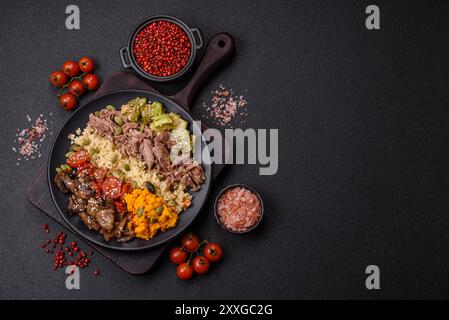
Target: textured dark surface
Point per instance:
(363, 161)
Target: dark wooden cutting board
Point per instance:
(38, 191)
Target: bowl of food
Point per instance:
(238, 208)
(122, 170)
(161, 48)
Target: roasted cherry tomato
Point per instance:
(71, 68)
(76, 88)
(86, 65)
(111, 187)
(200, 265)
(184, 271)
(99, 174)
(126, 188)
(190, 242)
(67, 101)
(177, 255)
(213, 252)
(78, 159)
(97, 187)
(91, 82)
(86, 169)
(58, 78)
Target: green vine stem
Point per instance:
(196, 251)
(80, 77)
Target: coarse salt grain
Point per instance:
(224, 106)
(29, 140)
(239, 209)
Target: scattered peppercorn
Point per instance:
(46, 228)
(58, 250)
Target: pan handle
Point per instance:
(220, 47)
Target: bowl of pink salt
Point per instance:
(238, 208)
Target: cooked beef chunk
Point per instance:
(162, 156)
(197, 174)
(129, 142)
(103, 126)
(191, 175)
(127, 126)
(164, 138)
(146, 149)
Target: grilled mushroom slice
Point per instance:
(76, 205)
(105, 218)
(89, 221)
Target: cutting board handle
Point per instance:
(219, 48)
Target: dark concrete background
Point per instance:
(363, 163)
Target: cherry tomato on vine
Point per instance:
(58, 78)
(86, 65)
(177, 255)
(190, 242)
(184, 271)
(201, 265)
(213, 252)
(91, 82)
(67, 101)
(71, 68)
(76, 88)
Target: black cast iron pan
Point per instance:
(219, 48)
